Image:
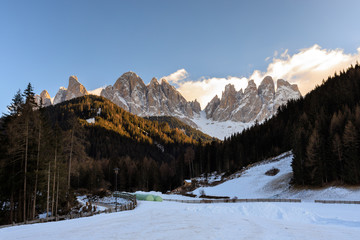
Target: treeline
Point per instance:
(322, 129)
(48, 153)
(35, 161)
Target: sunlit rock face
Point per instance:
(75, 89)
(254, 104)
(155, 99)
(43, 99)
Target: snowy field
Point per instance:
(173, 220)
(169, 220)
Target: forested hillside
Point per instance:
(322, 129)
(48, 153)
(189, 131)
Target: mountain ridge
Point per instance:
(160, 98)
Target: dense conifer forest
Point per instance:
(48, 153)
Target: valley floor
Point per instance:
(169, 220)
(174, 220)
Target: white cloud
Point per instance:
(204, 90)
(177, 76)
(307, 68)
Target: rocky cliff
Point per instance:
(155, 99)
(75, 89)
(252, 104)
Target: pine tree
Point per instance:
(351, 154)
(313, 159)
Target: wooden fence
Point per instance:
(234, 200)
(123, 207)
(337, 202)
(258, 200)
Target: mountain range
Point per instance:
(162, 99)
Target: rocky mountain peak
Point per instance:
(212, 106)
(60, 95)
(254, 104)
(251, 87)
(45, 98)
(45, 94)
(267, 82)
(75, 89)
(284, 92)
(195, 106)
(155, 99)
(73, 80)
(266, 90)
(127, 82)
(282, 83)
(154, 82)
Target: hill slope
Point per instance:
(252, 182)
(188, 130)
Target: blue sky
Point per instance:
(44, 42)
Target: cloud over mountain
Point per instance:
(177, 76)
(306, 68)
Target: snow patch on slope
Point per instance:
(218, 129)
(91, 120)
(253, 183)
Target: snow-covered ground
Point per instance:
(217, 129)
(174, 220)
(169, 220)
(253, 183)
